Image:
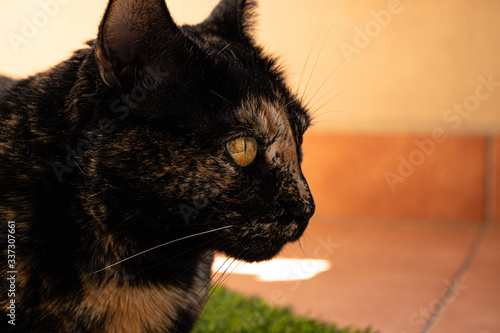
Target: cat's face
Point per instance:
(209, 121)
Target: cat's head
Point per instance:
(205, 136)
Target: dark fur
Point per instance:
(122, 148)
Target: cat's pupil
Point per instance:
(243, 150)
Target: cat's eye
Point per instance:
(243, 150)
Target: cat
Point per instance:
(125, 167)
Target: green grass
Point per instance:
(230, 312)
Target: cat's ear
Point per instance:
(233, 19)
(132, 33)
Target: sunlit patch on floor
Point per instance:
(274, 270)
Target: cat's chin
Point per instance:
(255, 257)
(251, 255)
(266, 240)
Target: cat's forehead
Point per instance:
(265, 117)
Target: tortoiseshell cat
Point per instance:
(125, 167)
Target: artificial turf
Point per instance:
(230, 312)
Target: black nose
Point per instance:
(300, 210)
(298, 200)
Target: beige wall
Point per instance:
(405, 74)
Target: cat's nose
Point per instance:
(299, 201)
(300, 210)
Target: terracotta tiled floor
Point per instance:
(391, 276)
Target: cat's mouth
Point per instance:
(260, 241)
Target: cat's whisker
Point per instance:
(182, 224)
(205, 286)
(161, 245)
(93, 195)
(290, 102)
(219, 95)
(304, 93)
(108, 183)
(207, 254)
(228, 275)
(302, 248)
(220, 279)
(328, 121)
(216, 283)
(176, 256)
(219, 268)
(326, 80)
(313, 103)
(317, 118)
(306, 62)
(320, 51)
(225, 47)
(80, 168)
(328, 101)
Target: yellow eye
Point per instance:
(243, 150)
